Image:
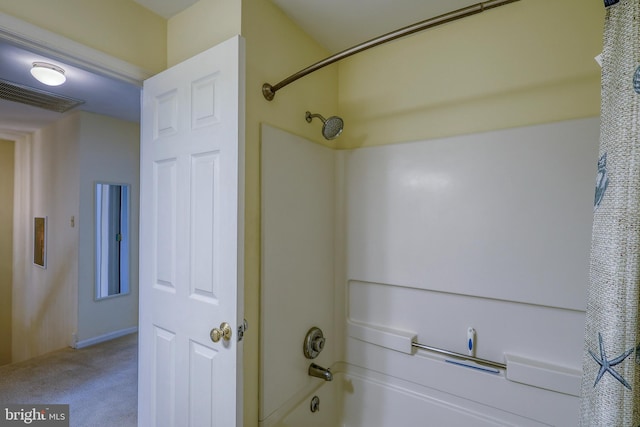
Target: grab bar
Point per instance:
(537, 373)
(460, 356)
(405, 342)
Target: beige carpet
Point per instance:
(99, 382)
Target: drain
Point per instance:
(315, 404)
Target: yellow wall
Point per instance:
(201, 26)
(121, 28)
(524, 63)
(6, 247)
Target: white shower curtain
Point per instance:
(611, 362)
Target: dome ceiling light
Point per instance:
(49, 74)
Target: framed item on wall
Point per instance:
(40, 241)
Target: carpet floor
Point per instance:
(99, 382)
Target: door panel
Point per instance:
(165, 195)
(164, 376)
(204, 204)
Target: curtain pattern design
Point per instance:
(611, 361)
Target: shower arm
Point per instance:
(269, 91)
(308, 117)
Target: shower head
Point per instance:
(331, 127)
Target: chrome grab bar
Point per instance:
(460, 356)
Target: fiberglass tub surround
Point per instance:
(418, 242)
(359, 397)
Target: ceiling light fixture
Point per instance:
(49, 74)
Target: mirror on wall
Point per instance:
(112, 239)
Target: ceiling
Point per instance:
(335, 24)
(166, 8)
(340, 24)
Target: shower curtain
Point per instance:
(611, 361)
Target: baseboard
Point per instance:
(105, 337)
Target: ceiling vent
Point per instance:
(36, 97)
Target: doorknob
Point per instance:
(224, 332)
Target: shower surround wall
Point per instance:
(298, 194)
(490, 231)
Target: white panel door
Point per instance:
(191, 222)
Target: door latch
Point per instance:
(241, 329)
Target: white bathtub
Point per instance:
(360, 398)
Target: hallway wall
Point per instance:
(45, 299)
(56, 168)
(109, 151)
(6, 247)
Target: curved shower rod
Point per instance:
(269, 91)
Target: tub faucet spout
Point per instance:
(320, 372)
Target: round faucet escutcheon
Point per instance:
(313, 343)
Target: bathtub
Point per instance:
(362, 398)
